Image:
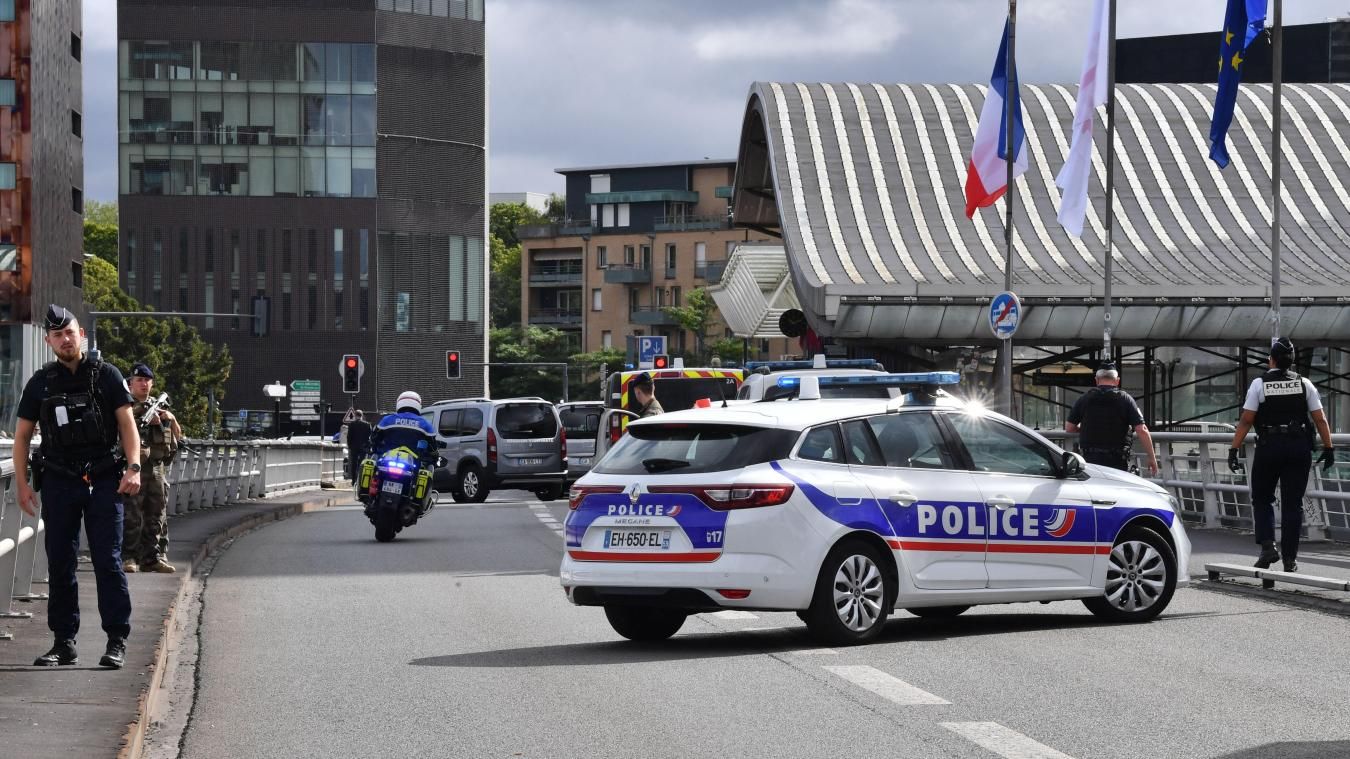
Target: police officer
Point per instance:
(358, 437)
(1104, 417)
(644, 395)
(145, 537)
(1279, 404)
(83, 407)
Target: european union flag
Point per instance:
(1244, 20)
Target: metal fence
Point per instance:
(206, 473)
(1194, 468)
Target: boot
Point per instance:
(1290, 565)
(130, 567)
(115, 655)
(62, 653)
(1269, 555)
(158, 565)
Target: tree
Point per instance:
(504, 299)
(186, 367)
(100, 230)
(556, 208)
(697, 315)
(527, 344)
(729, 349)
(506, 218)
(589, 364)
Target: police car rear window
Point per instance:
(694, 448)
(523, 421)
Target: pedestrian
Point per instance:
(84, 410)
(358, 438)
(644, 395)
(145, 534)
(1279, 406)
(1105, 417)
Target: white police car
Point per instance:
(775, 380)
(842, 510)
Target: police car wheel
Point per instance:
(644, 624)
(1141, 576)
(853, 596)
(469, 486)
(937, 612)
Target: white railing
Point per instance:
(205, 473)
(1194, 468)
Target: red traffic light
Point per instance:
(351, 362)
(661, 361)
(452, 370)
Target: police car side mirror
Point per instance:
(1072, 466)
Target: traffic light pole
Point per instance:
(553, 364)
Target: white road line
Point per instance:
(733, 614)
(1003, 741)
(886, 686)
(814, 652)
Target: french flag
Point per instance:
(987, 177)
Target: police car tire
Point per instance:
(822, 618)
(1101, 607)
(473, 474)
(639, 623)
(938, 612)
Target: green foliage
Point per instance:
(556, 210)
(507, 217)
(100, 241)
(697, 315)
(504, 300)
(527, 344)
(186, 367)
(589, 364)
(729, 349)
(100, 212)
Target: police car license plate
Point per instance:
(651, 539)
(391, 486)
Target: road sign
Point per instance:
(649, 347)
(305, 386)
(306, 396)
(349, 417)
(1005, 312)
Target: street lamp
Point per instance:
(276, 391)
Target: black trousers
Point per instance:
(1282, 461)
(65, 502)
(1116, 459)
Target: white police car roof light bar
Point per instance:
(765, 367)
(924, 385)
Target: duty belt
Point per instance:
(1292, 428)
(86, 471)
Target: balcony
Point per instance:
(691, 223)
(651, 316)
(568, 228)
(555, 317)
(710, 270)
(627, 274)
(545, 275)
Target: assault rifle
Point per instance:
(156, 404)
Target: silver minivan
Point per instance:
(512, 443)
(581, 421)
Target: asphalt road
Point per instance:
(456, 641)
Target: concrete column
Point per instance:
(1183, 398)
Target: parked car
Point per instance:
(581, 422)
(515, 443)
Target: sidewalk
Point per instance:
(85, 710)
(1320, 558)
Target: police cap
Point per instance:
(643, 379)
(57, 318)
(141, 370)
(1281, 347)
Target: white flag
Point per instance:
(1093, 88)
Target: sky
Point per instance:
(592, 82)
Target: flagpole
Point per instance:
(1107, 327)
(1005, 353)
(1277, 67)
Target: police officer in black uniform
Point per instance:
(83, 409)
(1104, 417)
(1279, 404)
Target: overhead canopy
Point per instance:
(865, 185)
(755, 290)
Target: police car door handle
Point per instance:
(904, 499)
(1001, 502)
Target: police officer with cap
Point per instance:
(145, 524)
(1279, 404)
(1104, 417)
(84, 410)
(644, 395)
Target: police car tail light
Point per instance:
(728, 497)
(492, 446)
(578, 494)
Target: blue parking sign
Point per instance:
(650, 346)
(1005, 312)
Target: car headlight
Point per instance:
(1174, 503)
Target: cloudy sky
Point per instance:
(585, 82)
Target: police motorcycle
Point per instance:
(395, 488)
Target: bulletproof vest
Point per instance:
(1103, 425)
(1286, 401)
(77, 425)
(156, 437)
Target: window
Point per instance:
(694, 448)
(601, 256)
(822, 444)
(670, 260)
(8, 178)
(911, 441)
(77, 200)
(526, 421)
(471, 422)
(596, 300)
(860, 445)
(599, 183)
(606, 339)
(607, 215)
(675, 296)
(77, 274)
(6, 10)
(449, 423)
(996, 447)
(8, 95)
(624, 219)
(629, 255)
(76, 124)
(75, 46)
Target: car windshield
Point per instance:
(522, 421)
(695, 448)
(580, 421)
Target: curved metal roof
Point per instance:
(865, 183)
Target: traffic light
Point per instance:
(660, 361)
(351, 373)
(452, 365)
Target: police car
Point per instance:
(774, 380)
(843, 510)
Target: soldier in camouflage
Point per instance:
(146, 527)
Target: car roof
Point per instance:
(775, 376)
(494, 401)
(790, 415)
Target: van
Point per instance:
(512, 443)
(581, 422)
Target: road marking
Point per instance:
(815, 652)
(733, 614)
(1003, 741)
(886, 686)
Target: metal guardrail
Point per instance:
(205, 473)
(1194, 468)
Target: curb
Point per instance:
(133, 742)
(1292, 598)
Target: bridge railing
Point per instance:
(1194, 468)
(205, 473)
